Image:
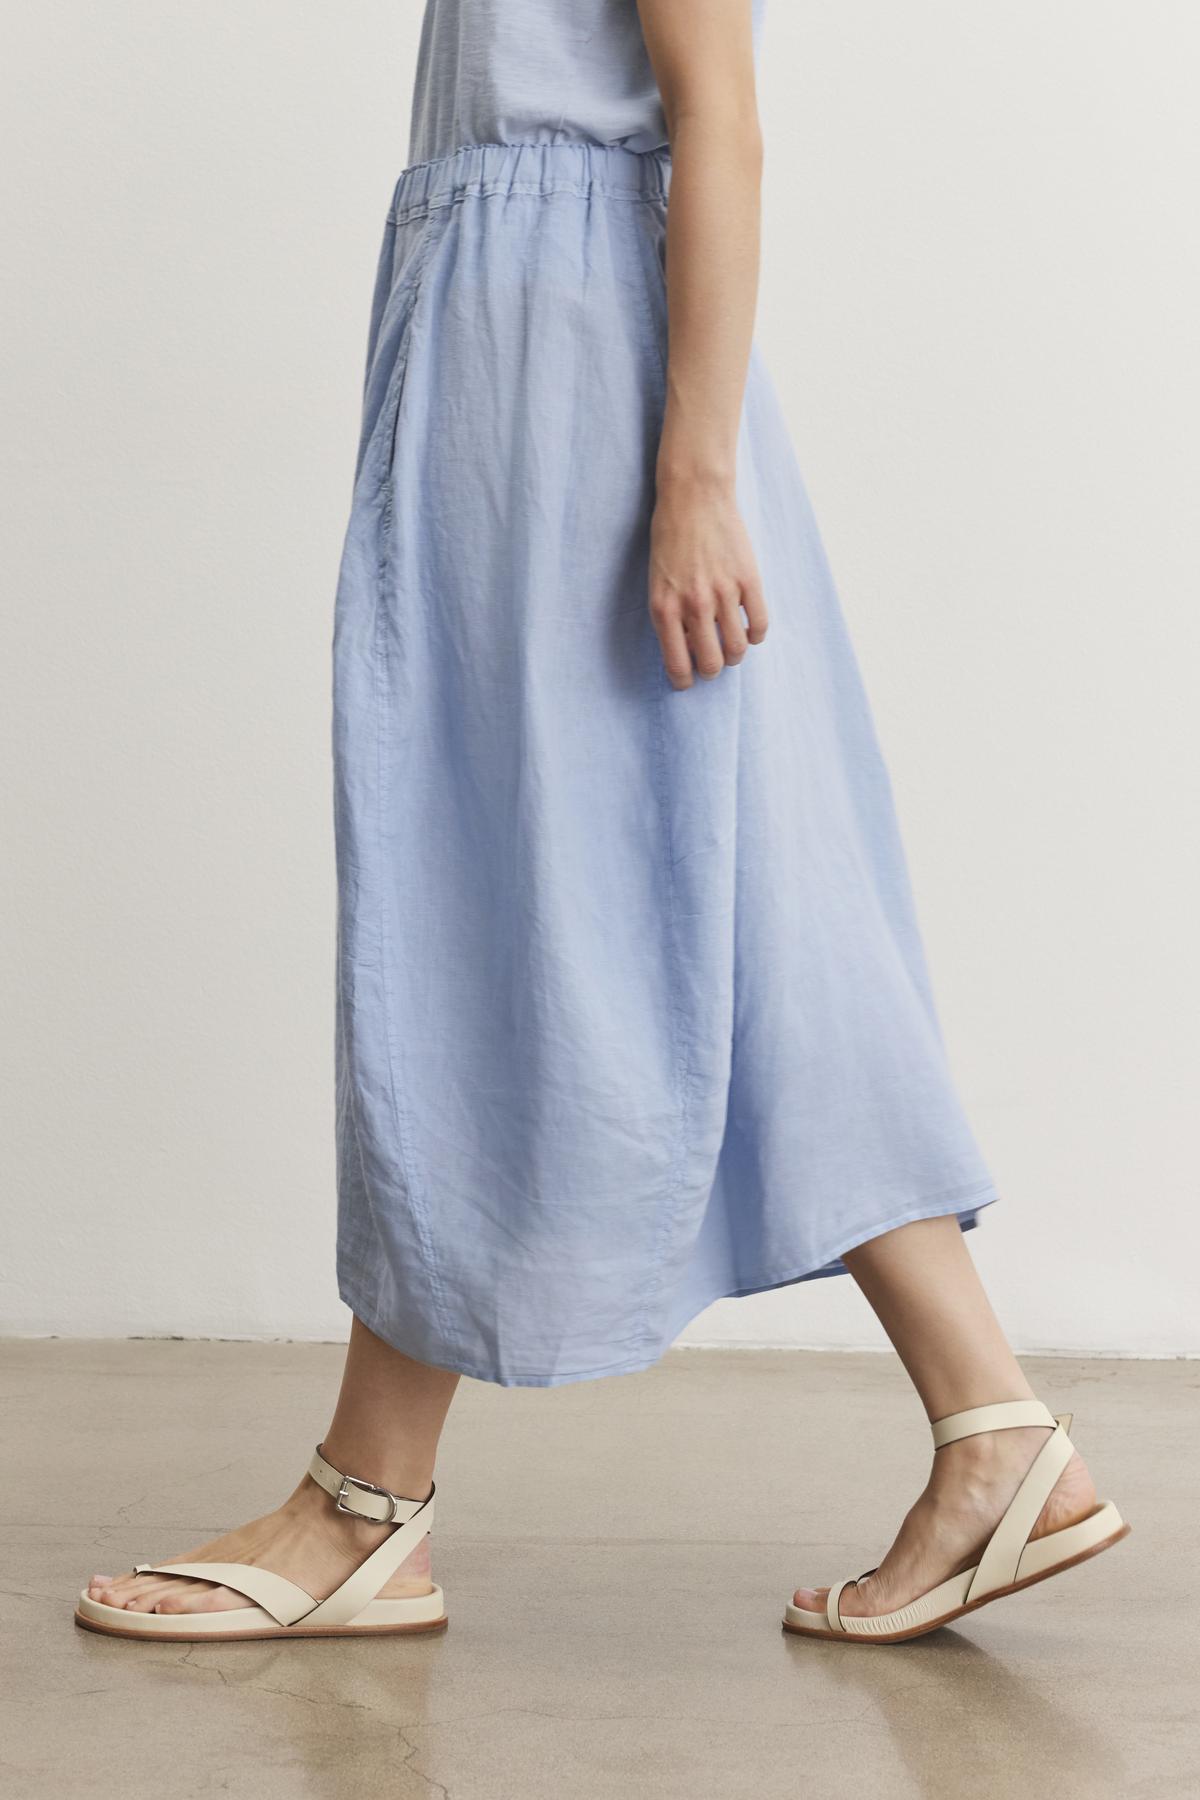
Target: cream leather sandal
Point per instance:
(281, 1609)
(1010, 1561)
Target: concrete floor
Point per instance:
(616, 1555)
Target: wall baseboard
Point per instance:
(748, 1346)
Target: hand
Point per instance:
(705, 594)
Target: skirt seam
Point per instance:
(406, 1157)
(412, 281)
(652, 270)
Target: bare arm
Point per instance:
(703, 576)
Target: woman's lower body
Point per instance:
(632, 1009)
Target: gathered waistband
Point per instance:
(566, 168)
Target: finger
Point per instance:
(755, 608)
(704, 643)
(734, 642)
(675, 653)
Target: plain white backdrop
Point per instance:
(981, 288)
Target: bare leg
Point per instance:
(385, 1429)
(924, 1287)
(389, 1416)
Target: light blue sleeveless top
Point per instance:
(535, 71)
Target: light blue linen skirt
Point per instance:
(632, 1007)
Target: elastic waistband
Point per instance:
(566, 168)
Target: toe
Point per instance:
(143, 1601)
(193, 1596)
(122, 1586)
(111, 1592)
(180, 1597)
(810, 1599)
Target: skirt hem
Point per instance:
(963, 1204)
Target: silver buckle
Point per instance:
(367, 1487)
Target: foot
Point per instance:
(305, 1540)
(972, 1483)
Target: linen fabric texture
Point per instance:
(632, 1010)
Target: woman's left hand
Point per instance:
(706, 598)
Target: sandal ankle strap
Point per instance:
(1002, 1416)
(351, 1494)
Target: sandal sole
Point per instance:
(900, 1637)
(237, 1637)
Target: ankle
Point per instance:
(408, 1476)
(313, 1507)
(974, 1461)
(313, 1510)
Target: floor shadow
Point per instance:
(962, 1720)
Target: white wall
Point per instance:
(980, 302)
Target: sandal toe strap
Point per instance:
(832, 1610)
(274, 1593)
